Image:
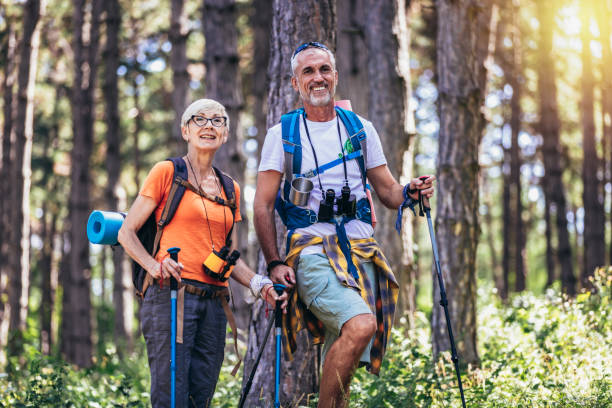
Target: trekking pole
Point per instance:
(278, 323)
(247, 386)
(424, 203)
(173, 289)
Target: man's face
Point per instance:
(315, 78)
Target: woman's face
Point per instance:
(206, 130)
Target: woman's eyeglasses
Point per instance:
(201, 121)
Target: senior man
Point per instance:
(346, 292)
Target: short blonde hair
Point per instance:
(201, 106)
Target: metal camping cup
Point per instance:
(300, 191)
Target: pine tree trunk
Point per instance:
(21, 175)
(551, 148)
(223, 84)
(49, 284)
(179, 32)
(462, 47)
(507, 230)
(592, 193)
(388, 44)
(604, 16)
(8, 55)
(294, 22)
(261, 21)
(518, 227)
(550, 256)
(122, 297)
(352, 54)
(76, 342)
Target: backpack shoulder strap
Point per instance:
(227, 183)
(357, 136)
(177, 189)
(292, 145)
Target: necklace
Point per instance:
(212, 243)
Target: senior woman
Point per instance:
(198, 227)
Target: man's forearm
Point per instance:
(265, 227)
(393, 197)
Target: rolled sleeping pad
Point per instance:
(103, 226)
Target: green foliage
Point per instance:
(48, 382)
(541, 351)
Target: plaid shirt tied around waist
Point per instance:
(386, 287)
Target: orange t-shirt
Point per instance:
(188, 228)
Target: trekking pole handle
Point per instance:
(424, 201)
(174, 256)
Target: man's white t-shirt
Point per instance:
(324, 136)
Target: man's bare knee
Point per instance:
(360, 328)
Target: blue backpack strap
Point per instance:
(357, 136)
(292, 146)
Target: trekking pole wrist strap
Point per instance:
(408, 202)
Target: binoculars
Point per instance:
(346, 204)
(220, 264)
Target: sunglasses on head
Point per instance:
(308, 45)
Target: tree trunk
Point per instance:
(550, 255)
(76, 344)
(352, 54)
(179, 32)
(293, 23)
(49, 281)
(122, 297)
(21, 176)
(8, 55)
(462, 47)
(221, 59)
(518, 226)
(388, 45)
(507, 228)
(592, 193)
(261, 21)
(496, 271)
(551, 148)
(604, 15)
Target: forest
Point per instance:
(507, 102)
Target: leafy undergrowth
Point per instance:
(539, 351)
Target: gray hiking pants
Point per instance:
(198, 358)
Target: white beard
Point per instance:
(322, 100)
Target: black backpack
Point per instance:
(150, 233)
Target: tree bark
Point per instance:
(603, 21)
(551, 148)
(21, 176)
(223, 84)
(518, 226)
(462, 47)
(76, 344)
(122, 297)
(592, 193)
(179, 32)
(261, 21)
(352, 54)
(294, 22)
(8, 56)
(388, 45)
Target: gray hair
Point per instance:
(204, 105)
(294, 58)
